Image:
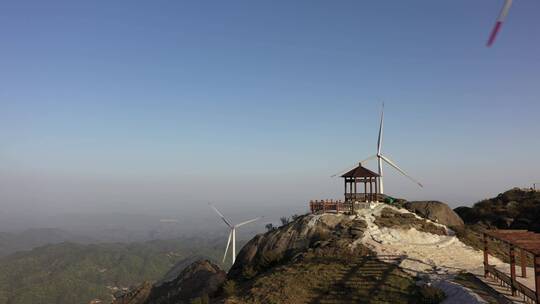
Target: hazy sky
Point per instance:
(149, 105)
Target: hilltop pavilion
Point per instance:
(353, 189)
(357, 196)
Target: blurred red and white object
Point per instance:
(500, 20)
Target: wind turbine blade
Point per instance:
(352, 167)
(247, 222)
(500, 20)
(220, 215)
(391, 163)
(369, 158)
(227, 248)
(344, 171)
(379, 141)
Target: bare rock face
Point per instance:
(437, 212)
(177, 269)
(199, 280)
(202, 278)
(307, 233)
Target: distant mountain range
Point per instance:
(110, 228)
(11, 242)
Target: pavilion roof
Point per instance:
(526, 240)
(360, 172)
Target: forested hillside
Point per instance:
(70, 273)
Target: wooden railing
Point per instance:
(512, 284)
(361, 197)
(329, 206)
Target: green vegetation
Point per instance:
(430, 295)
(513, 209)
(394, 219)
(472, 235)
(201, 300)
(229, 288)
(70, 273)
(269, 227)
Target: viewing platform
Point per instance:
(338, 206)
(361, 191)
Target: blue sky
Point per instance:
(118, 103)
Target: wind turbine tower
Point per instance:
(232, 233)
(381, 158)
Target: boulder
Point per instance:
(175, 271)
(467, 214)
(313, 232)
(200, 279)
(435, 211)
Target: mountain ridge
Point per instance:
(337, 258)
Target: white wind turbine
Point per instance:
(381, 158)
(232, 233)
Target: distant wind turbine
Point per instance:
(167, 221)
(381, 158)
(232, 233)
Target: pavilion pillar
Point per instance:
(351, 182)
(537, 277)
(512, 254)
(376, 191)
(354, 198)
(365, 191)
(486, 257)
(523, 260)
(370, 190)
(373, 197)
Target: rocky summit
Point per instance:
(306, 234)
(514, 209)
(401, 253)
